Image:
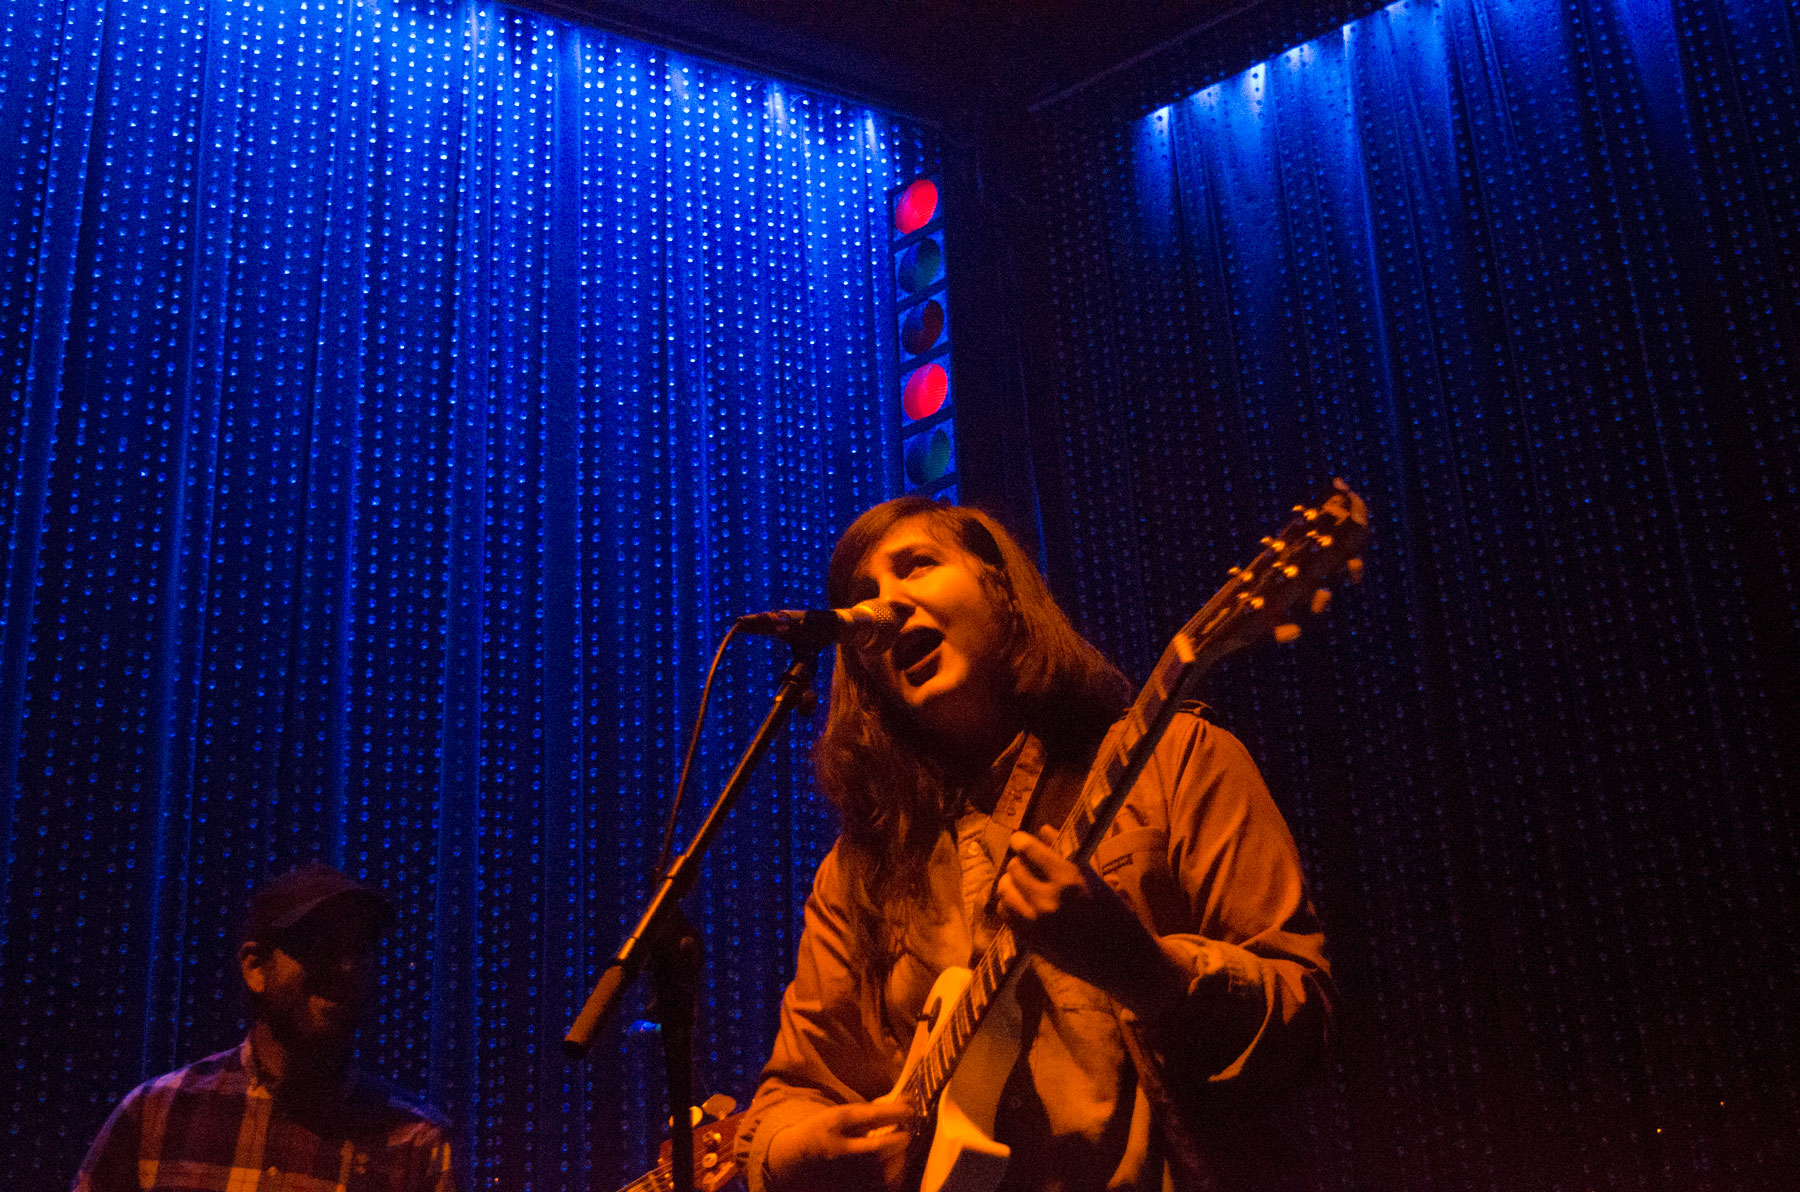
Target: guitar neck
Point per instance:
(1113, 776)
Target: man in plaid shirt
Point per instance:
(286, 1110)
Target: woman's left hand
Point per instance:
(1069, 915)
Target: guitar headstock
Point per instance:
(714, 1162)
(1296, 561)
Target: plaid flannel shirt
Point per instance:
(217, 1126)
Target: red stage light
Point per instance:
(925, 391)
(915, 206)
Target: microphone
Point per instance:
(873, 624)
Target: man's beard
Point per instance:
(312, 1040)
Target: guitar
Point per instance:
(714, 1166)
(969, 1040)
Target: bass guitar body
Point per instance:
(962, 1155)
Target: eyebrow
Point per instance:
(908, 551)
(862, 582)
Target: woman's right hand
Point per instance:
(841, 1148)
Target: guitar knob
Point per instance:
(1354, 569)
(1321, 600)
(1286, 633)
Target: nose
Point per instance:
(887, 586)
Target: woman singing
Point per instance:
(1177, 986)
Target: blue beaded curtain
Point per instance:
(1525, 273)
(400, 398)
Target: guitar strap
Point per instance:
(1017, 798)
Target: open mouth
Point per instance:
(914, 646)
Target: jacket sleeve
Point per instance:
(830, 1047)
(1232, 908)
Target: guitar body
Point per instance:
(963, 1156)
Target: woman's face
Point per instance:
(948, 666)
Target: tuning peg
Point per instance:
(1321, 600)
(1354, 569)
(1286, 633)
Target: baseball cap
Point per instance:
(280, 905)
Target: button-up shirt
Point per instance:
(218, 1125)
(1099, 1099)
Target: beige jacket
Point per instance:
(1099, 1099)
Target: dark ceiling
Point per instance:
(939, 60)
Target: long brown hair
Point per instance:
(894, 795)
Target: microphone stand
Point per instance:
(665, 940)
